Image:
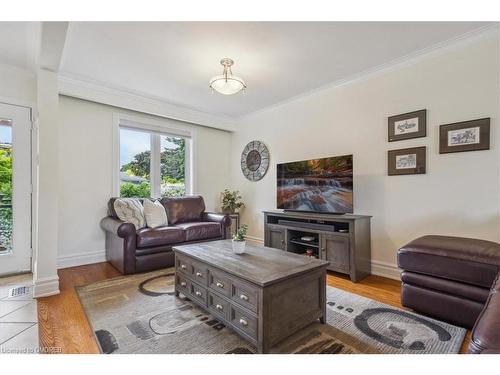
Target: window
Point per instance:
(153, 163)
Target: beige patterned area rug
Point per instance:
(140, 314)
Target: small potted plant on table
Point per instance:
(239, 240)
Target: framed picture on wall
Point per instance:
(465, 136)
(406, 161)
(407, 126)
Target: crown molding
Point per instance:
(434, 50)
(140, 102)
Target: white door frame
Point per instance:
(19, 260)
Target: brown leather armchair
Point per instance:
(131, 251)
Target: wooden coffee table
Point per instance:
(265, 294)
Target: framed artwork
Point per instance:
(407, 126)
(465, 136)
(406, 161)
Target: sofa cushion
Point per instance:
(462, 259)
(183, 209)
(153, 250)
(200, 230)
(159, 236)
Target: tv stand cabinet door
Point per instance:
(276, 236)
(335, 249)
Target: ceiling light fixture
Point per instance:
(227, 83)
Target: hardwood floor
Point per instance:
(62, 323)
(63, 326)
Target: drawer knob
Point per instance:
(244, 297)
(198, 293)
(183, 266)
(219, 284)
(183, 283)
(199, 274)
(243, 322)
(219, 307)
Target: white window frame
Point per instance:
(156, 128)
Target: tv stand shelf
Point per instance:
(343, 240)
(305, 243)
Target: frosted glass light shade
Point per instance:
(227, 85)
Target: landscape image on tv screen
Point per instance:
(320, 185)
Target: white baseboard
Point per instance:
(46, 286)
(379, 268)
(385, 269)
(256, 240)
(80, 259)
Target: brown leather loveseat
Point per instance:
(131, 251)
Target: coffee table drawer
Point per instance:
(244, 322)
(200, 273)
(218, 306)
(198, 293)
(219, 282)
(182, 284)
(245, 295)
(183, 264)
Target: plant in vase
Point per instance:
(239, 239)
(231, 201)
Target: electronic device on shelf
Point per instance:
(325, 227)
(307, 238)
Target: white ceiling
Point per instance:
(174, 61)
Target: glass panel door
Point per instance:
(5, 185)
(15, 189)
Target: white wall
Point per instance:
(459, 195)
(86, 174)
(18, 86)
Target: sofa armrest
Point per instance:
(224, 220)
(121, 242)
(486, 332)
(118, 227)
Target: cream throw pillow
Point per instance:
(130, 210)
(155, 214)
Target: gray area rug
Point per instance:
(140, 314)
(388, 329)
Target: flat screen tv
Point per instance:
(317, 185)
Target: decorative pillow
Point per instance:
(155, 214)
(130, 210)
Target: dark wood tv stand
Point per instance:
(343, 240)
